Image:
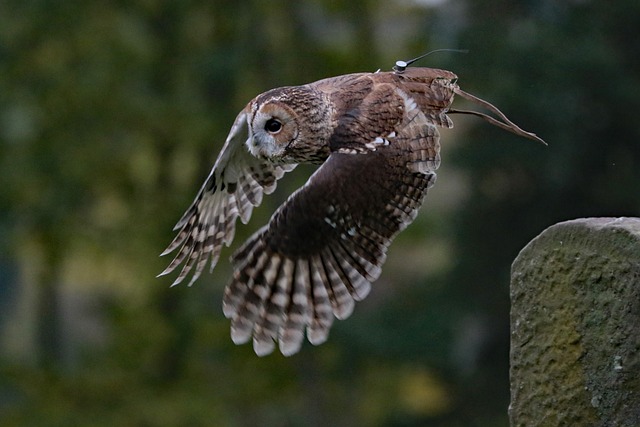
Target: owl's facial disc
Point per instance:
(273, 129)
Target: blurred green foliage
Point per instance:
(112, 113)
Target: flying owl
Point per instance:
(376, 138)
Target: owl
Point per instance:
(376, 138)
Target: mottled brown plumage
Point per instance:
(376, 136)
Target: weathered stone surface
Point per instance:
(575, 326)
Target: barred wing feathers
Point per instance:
(233, 188)
(326, 244)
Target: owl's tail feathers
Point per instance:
(275, 298)
(505, 124)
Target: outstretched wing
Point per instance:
(234, 186)
(326, 244)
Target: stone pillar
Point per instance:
(575, 326)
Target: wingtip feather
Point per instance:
(263, 347)
(290, 341)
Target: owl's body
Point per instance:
(376, 136)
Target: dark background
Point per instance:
(111, 115)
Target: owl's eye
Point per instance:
(273, 126)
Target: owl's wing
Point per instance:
(234, 186)
(326, 244)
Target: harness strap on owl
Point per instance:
(506, 124)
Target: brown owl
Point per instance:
(376, 136)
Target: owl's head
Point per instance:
(283, 120)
